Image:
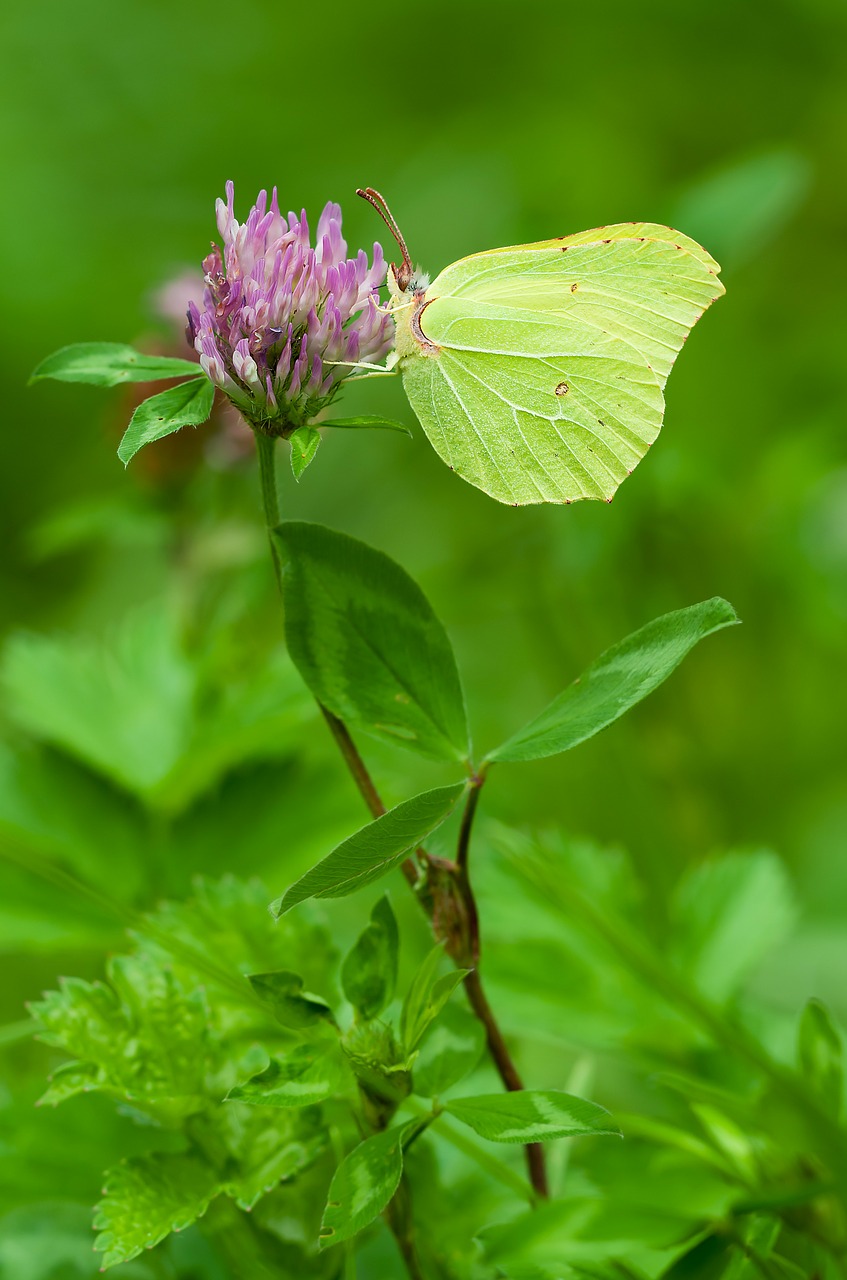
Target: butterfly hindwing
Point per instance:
(546, 362)
(565, 424)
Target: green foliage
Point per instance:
(449, 1049)
(136, 710)
(366, 422)
(618, 680)
(531, 1115)
(426, 997)
(367, 643)
(369, 971)
(820, 1056)
(186, 405)
(292, 1007)
(306, 1076)
(364, 1183)
(145, 1200)
(142, 1037)
(109, 364)
(728, 914)
(304, 445)
(375, 850)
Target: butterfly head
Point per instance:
(402, 279)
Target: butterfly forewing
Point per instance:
(646, 284)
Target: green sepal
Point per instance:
(109, 364)
(304, 445)
(187, 405)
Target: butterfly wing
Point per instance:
(645, 283)
(538, 391)
(569, 421)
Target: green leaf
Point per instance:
(367, 643)
(728, 914)
(373, 850)
(619, 679)
(426, 997)
(304, 445)
(303, 1078)
(368, 421)
(708, 1260)
(69, 1080)
(108, 364)
(364, 1183)
(369, 971)
(531, 1115)
(187, 405)
(148, 1198)
(142, 1038)
(282, 991)
(267, 1147)
(820, 1055)
(450, 1049)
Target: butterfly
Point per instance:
(538, 371)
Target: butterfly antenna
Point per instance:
(404, 275)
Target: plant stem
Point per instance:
(497, 1047)
(363, 780)
(266, 453)
(398, 1215)
(265, 449)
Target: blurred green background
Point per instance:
(483, 124)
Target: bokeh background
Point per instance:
(483, 124)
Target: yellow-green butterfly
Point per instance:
(537, 371)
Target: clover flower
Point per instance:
(282, 322)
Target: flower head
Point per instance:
(282, 322)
